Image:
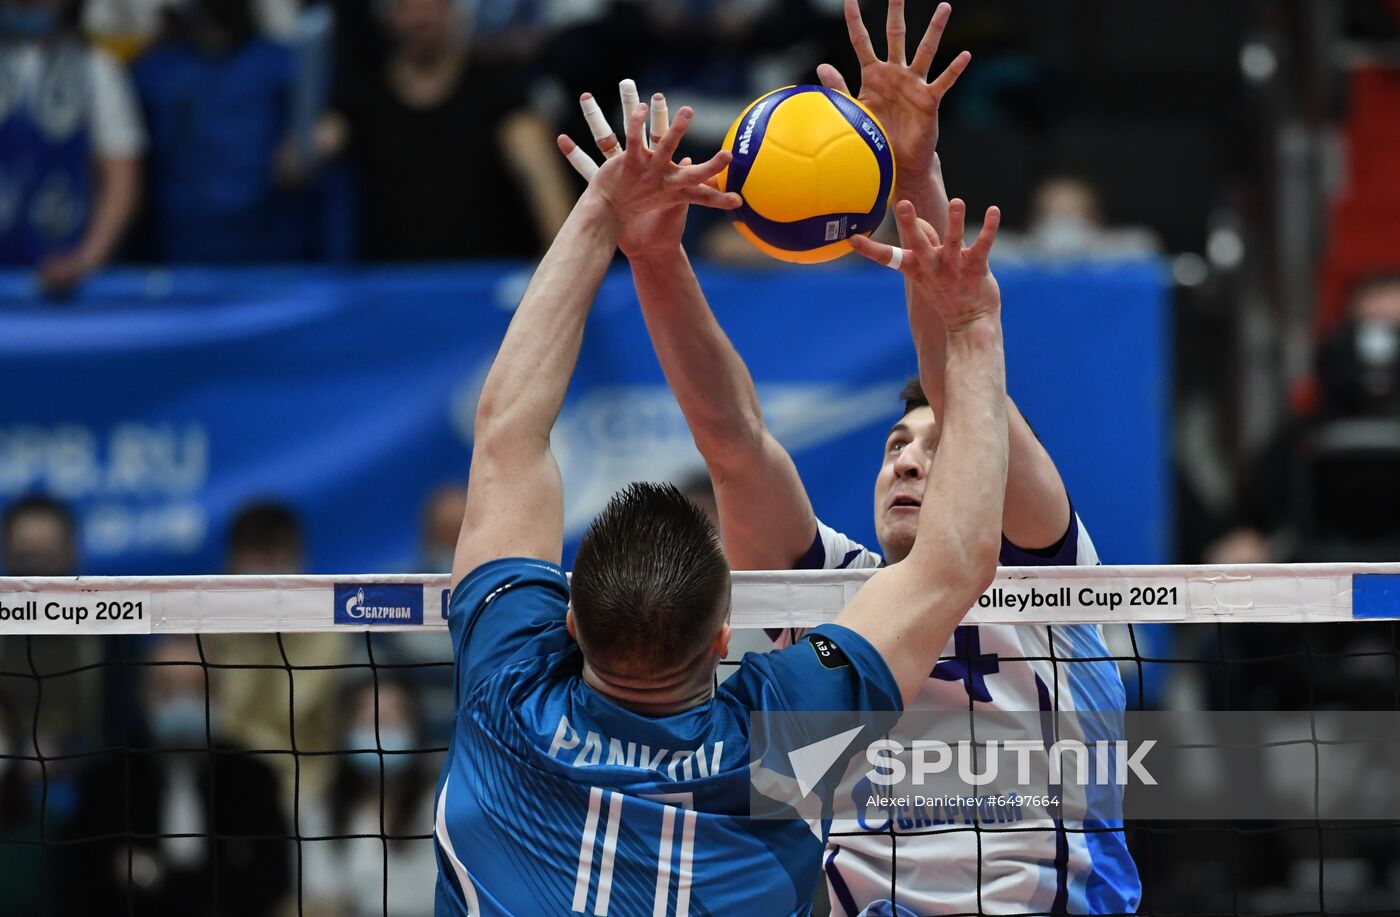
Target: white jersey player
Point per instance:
(768, 522)
(929, 865)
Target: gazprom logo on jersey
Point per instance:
(378, 603)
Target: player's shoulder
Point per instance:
(831, 667)
(488, 581)
(833, 550)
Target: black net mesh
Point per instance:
(295, 773)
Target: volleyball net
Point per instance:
(271, 744)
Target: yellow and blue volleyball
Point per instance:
(814, 168)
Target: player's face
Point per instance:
(899, 487)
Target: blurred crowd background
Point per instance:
(1253, 147)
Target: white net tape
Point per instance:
(762, 599)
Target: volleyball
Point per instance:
(814, 168)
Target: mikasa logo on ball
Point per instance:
(870, 131)
(747, 135)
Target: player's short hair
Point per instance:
(913, 396)
(650, 583)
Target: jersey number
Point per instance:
(669, 815)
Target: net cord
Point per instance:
(1266, 593)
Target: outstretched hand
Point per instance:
(643, 188)
(954, 280)
(899, 94)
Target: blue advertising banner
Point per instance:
(160, 402)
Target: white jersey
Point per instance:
(929, 867)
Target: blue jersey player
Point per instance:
(595, 767)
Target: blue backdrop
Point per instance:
(158, 402)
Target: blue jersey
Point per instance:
(555, 800)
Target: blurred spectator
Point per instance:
(38, 537)
(133, 801)
(126, 27)
(442, 523)
(26, 816)
(374, 793)
(718, 55)
(281, 689)
(217, 97)
(1067, 221)
(421, 653)
(1330, 482)
(451, 162)
(1326, 488)
(523, 30)
(265, 539)
(70, 143)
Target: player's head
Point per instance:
(650, 597)
(899, 487)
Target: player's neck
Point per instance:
(658, 700)
(893, 554)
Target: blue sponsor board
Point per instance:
(1375, 595)
(378, 603)
(380, 412)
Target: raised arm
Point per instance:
(766, 519)
(1036, 513)
(515, 504)
(909, 610)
